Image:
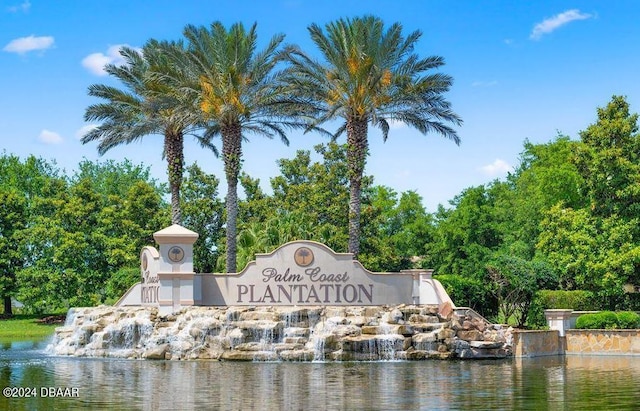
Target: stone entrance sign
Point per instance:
(299, 273)
(149, 282)
(306, 273)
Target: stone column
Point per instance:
(175, 274)
(558, 319)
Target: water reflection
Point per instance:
(520, 384)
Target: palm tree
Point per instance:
(238, 92)
(146, 106)
(369, 76)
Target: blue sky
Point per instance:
(522, 70)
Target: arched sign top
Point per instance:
(310, 273)
(300, 254)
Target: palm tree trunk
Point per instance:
(174, 151)
(357, 149)
(232, 155)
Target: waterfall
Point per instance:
(379, 333)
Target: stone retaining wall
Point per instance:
(603, 342)
(537, 343)
(576, 342)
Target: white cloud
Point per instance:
(95, 62)
(49, 137)
(552, 23)
(24, 7)
(84, 130)
(497, 168)
(25, 44)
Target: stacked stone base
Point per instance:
(371, 333)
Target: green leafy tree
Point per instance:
(22, 184)
(545, 177)
(369, 75)
(148, 105)
(591, 253)
(309, 202)
(468, 234)
(318, 191)
(202, 212)
(257, 205)
(514, 283)
(609, 161)
(13, 219)
(395, 231)
(238, 91)
(595, 247)
(84, 233)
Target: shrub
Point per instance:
(608, 320)
(628, 320)
(578, 300)
(465, 291)
(587, 322)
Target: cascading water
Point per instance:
(318, 338)
(269, 333)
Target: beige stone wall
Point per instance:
(603, 342)
(576, 342)
(537, 343)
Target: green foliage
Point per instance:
(203, 212)
(395, 232)
(317, 190)
(545, 177)
(310, 201)
(628, 320)
(119, 282)
(608, 320)
(77, 232)
(22, 184)
(577, 300)
(467, 235)
(588, 322)
(609, 161)
(591, 253)
(514, 282)
(469, 292)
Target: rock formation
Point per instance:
(369, 333)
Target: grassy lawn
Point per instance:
(28, 327)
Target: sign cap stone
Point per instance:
(175, 234)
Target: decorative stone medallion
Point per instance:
(176, 254)
(303, 256)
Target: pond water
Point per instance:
(555, 383)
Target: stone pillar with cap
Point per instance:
(175, 273)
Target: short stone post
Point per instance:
(558, 319)
(175, 274)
